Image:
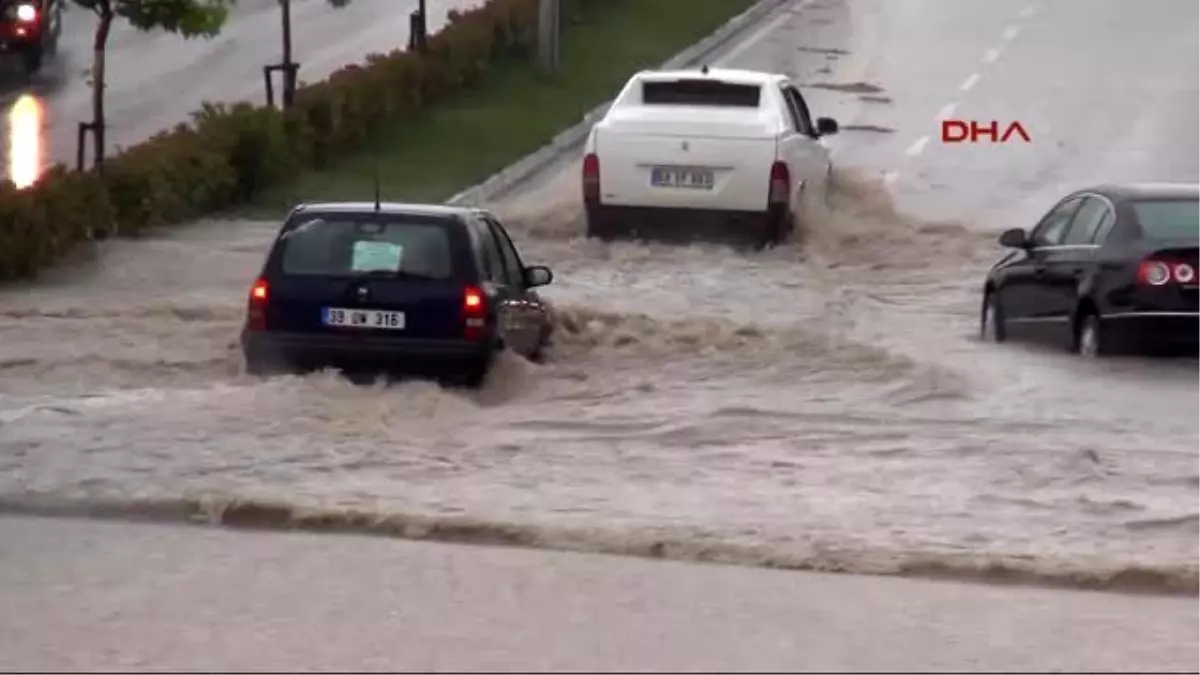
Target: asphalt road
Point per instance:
(1100, 103)
(824, 403)
(157, 79)
(116, 597)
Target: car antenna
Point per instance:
(704, 69)
(378, 206)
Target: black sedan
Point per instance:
(413, 288)
(1108, 269)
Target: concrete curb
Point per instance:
(508, 178)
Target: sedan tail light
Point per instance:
(1160, 272)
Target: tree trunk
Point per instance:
(289, 70)
(101, 43)
(285, 10)
(548, 34)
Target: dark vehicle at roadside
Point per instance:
(424, 290)
(30, 29)
(1108, 269)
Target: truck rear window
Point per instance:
(1174, 219)
(344, 245)
(701, 93)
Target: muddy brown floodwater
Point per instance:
(825, 405)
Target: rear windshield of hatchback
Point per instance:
(1169, 219)
(345, 245)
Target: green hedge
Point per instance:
(229, 153)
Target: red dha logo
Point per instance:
(958, 131)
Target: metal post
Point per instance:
(289, 83)
(424, 27)
(269, 85)
(418, 26)
(548, 34)
(556, 22)
(81, 149)
(287, 72)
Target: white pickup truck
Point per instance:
(704, 152)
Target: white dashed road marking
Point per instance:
(991, 56)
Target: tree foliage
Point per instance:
(189, 18)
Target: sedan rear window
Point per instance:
(348, 246)
(1172, 219)
(701, 93)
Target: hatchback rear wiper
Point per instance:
(396, 274)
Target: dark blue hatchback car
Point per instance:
(426, 290)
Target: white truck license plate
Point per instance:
(684, 177)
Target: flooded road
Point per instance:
(780, 407)
(156, 79)
(821, 405)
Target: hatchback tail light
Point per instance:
(475, 312)
(256, 310)
(591, 178)
(1160, 272)
(781, 184)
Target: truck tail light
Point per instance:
(781, 184)
(591, 178)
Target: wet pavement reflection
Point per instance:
(25, 147)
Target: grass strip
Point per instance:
(515, 111)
